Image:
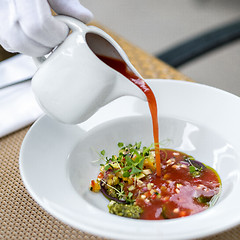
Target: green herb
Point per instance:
(204, 199)
(138, 145)
(164, 212)
(121, 192)
(120, 144)
(130, 194)
(133, 167)
(102, 152)
(126, 174)
(194, 168)
(107, 167)
(195, 172)
(125, 161)
(146, 150)
(130, 162)
(129, 199)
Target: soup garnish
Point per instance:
(130, 182)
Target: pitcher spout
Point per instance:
(124, 87)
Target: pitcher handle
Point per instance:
(73, 24)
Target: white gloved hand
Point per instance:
(28, 27)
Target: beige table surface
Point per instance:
(20, 216)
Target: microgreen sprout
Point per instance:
(120, 144)
(120, 192)
(128, 165)
(129, 198)
(194, 168)
(102, 152)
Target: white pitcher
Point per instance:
(72, 83)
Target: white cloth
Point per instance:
(28, 27)
(18, 107)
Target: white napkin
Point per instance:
(18, 107)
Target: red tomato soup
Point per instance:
(180, 191)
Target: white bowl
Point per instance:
(57, 160)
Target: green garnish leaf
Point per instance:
(134, 167)
(102, 152)
(107, 167)
(140, 165)
(204, 199)
(126, 174)
(121, 192)
(138, 145)
(195, 172)
(130, 194)
(135, 171)
(129, 161)
(129, 199)
(192, 169)
(120, 144)
(195, 168)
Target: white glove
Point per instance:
(27, 26)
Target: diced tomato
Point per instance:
(153, 196)
(182, 214)
(100, 175)
(147, 194)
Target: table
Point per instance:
(20, 216)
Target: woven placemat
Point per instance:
(20, 216)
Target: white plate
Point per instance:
(56, 160)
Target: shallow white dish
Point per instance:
(56, 160)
